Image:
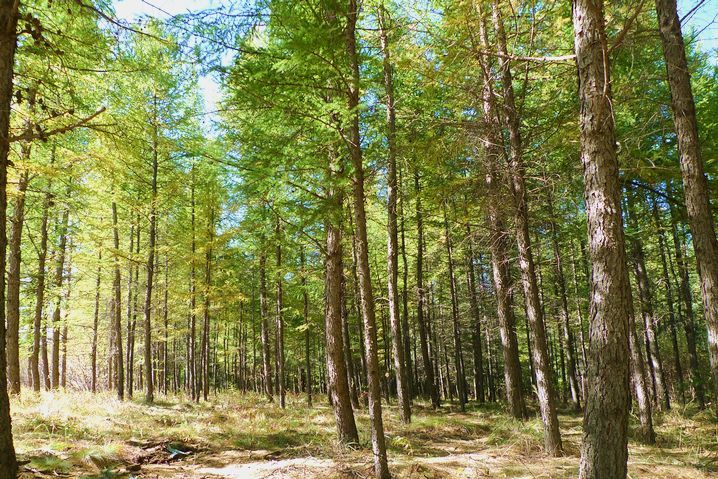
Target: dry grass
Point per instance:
(242, 436)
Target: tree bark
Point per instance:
(397, 344)
(366, 295)
(8, 40)
(499, 242)
(604, 450)
(38, 333)
(117, 311)
(458, 352)
(541, 361)
(264, 312)
(149, 380)
(668, 285)
(430, 381)
(280, 321)
(574, 387)
(645, 294)
(13, 279)
(59, 277)
(476, 333)
(695, 184)
(96, 320)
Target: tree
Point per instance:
(604, 450)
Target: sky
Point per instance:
(704, 22)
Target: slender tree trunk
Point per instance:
(541, 362)
(458, 352)
(38, 332)
(398, 351)
(405, 298)
(695, 184)
(430, 382)
(149, 380)
(280, 321)
(192, 370)
(476, 333)
(13, 279)
(604, 451)
(639, 380)
(206, 317)
(645, 294)
(264, 312)
(117, 311)
(346, 338)
(381, 466)
(499, 243)
(129, 366)
(59, 277)
(307, 332)
(573, 384)
(95, 321)
(668, 285)
(688, 318)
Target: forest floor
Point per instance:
(235, 436)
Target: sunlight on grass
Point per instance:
(100, 437)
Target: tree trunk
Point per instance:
(206, 317)
(640, 384)
(13, 280)
(307, 332)
(573, 384)
(335, 352)
(458, 352)
(264, 312)
(541, 361)
(397, 344)
(604, 451)
(668, 285)
(117, 311)
(8, 39)
(499, 243)
(280, 321)
(96, 320)
(150, 386)
(476, 333)
(645, 294)
(59, 277)
(430, 382)
(38, 333)
(688, 317)
(695, 184)
(381, 467)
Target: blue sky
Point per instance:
(704, 22)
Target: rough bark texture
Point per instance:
(264, 313)
(336, 361)
(695, 184)
(13, 280)
(280, 321)
(534, 313)
(639, 380)
(8, 38)
(476, 334)
(574, 387)
(38, 333)
(366, 295)
(499, 244)
(458, 354)
(397, 346)
(604, 451)
(117, 311)
(429, 383)
(59, 278)
(149, 379)
(645, 294)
